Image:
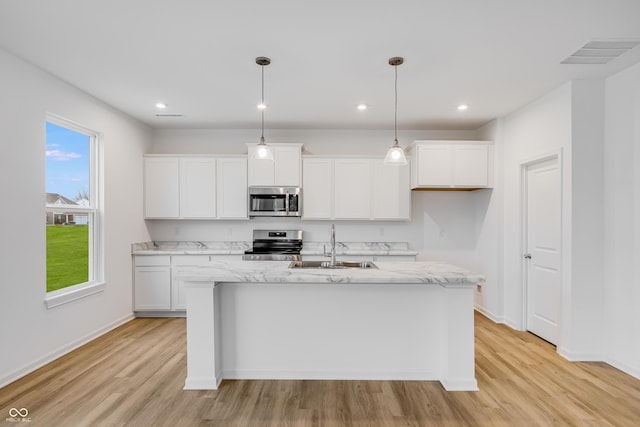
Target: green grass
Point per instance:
(67, 256)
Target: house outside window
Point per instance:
(73, 215)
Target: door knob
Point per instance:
(527, 256)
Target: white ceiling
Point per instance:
(198, 56)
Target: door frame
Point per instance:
(555, 154)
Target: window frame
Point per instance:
(94, 211)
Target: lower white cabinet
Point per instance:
(152, 283)
(157, 289)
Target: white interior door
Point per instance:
(543, 248)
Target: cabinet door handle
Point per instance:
(527, 256)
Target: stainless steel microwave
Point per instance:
(275, 201)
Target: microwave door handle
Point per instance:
(286, 203)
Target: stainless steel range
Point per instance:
(275, 245)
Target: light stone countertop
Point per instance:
(239, 247)
(190, 248)
(413, 272)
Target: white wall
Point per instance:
(536, 129)
(31, 334)
(568, 120)
(584, 335)
(489, 218)
(622, 220)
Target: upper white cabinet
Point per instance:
(317, 188)
(161, 187)
(452, 164)
(232, 188)
(284, 170)
(352, 188)
(197, 187)
(355, 188)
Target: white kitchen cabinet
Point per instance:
(352, 188)
(434, 165)
(232, 188)
(471, 165)
(452, 164)
(355, 188)
(195, 187)
(157, 289)
(391, 191)
(198, 187)
(161, 187)
(317, 188)
(284, 170)
(152, 283)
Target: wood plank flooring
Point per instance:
(134, 376)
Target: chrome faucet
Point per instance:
(332, 254)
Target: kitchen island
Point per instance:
(263, 320)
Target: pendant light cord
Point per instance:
(395, 117)
(262, 109)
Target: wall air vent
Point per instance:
(600, 51)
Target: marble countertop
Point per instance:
(190, 248)
(427, 272)
(359, 248)
(239, 247)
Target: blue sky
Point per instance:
(67, 161)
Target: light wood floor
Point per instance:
(134, 376)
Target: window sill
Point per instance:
(72, 293)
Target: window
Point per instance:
(72, 212)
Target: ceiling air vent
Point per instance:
(168, 115)
(600, 51)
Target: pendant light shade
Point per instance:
(262, 150)
(395, 155)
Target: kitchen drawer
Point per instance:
(151, 260)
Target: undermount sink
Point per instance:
(327, 264)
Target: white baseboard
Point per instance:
(627, 369)
(579, 357)
(486, 313)
(48, 358)
(460, 385)
(202, 383)
(160, 313)
(245, 374)
(497, 319)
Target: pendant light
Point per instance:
(395, 155)
(262, 150)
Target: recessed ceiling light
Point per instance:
(463, 107)
(161, 105)
(362, 107)
(262, 106)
